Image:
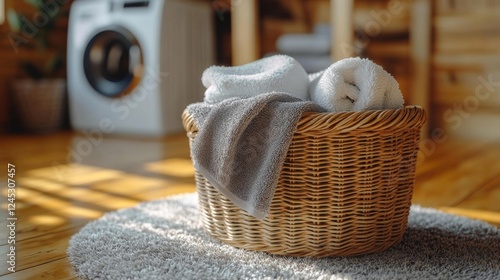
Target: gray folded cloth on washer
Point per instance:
(242, 143)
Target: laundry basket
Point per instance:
(345, 187)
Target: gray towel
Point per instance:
(242, 144)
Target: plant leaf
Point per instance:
(14, 21)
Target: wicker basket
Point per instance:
(40, 104)
(345, 187)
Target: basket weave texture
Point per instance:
(40, 104)
(345, 187)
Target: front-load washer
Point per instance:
(134, 65)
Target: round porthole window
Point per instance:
(113, 62)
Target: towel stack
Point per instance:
(351, 84)
(247, 120)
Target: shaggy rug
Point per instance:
(164, 239)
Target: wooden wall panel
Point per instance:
(465, 57)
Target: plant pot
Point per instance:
(40, 104)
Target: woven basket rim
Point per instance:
(410, 116)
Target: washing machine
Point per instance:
(134, 65)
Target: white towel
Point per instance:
(316, 43)
(304, 44)
(323, 29)
(276, 73)
(355, 84)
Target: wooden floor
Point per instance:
(65, 180)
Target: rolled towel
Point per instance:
(355, 84)
(276, 73)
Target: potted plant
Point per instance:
(39, 95)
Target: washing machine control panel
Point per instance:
(132, 4)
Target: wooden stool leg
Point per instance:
(245, 31)
(342, 28)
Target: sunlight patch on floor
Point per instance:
(46, 220)
(177, 167)
(41, 184)
(57, 205)
(75, 174)
(130, 184)
(163, 192)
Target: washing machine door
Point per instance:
(113, 62)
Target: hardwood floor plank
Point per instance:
(21, 150)
(38, 221)
(36, 251)
(486, 197)
(59, 147)
(447, 157)
(451, 186)
(58, 269)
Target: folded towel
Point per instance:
(323, 29)
(242, 143)
(304, 44)
(276, 73)
(355, 84)
(316, 43)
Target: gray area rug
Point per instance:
(164, 239)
